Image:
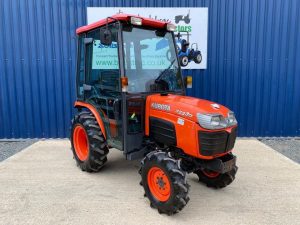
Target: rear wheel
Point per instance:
(88, 144)
(215, 179)
(187, 20)
(198, 57)
(164, 183)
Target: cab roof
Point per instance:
(122, 17)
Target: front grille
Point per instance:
(211, 143)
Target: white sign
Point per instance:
(191, 23)
(105, 57)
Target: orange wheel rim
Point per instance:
(210, 173)
(81, 143)
(159, 184)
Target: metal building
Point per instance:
(253, 63)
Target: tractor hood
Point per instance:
(185, 106)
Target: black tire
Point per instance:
(176, 177)
(177, 19)
(198, 57)
(184, 61)
(98, 148)
(219, 181)
(187, 20)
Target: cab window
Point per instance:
(102, 66)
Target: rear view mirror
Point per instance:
(161, 33)
(105, 36)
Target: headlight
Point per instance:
(216, 121)
(231, 119)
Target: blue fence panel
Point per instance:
(253, 49)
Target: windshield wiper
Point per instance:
(164, 71)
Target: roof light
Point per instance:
(171, 27)
(136, 21)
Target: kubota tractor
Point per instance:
(131, 96)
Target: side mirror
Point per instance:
(105, 36)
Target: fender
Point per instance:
(79, 104)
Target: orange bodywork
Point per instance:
(179, 110)
(113, 128)
(93, 110)
(182, 112)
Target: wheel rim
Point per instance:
(185, 61)
(81, 143)
(210, 173)
(199, 58)
(159, 184)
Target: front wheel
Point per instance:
(164, 182)
(187, 20)
(215, 179)
(184, 61)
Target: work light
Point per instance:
(171, 27)
(136, 21)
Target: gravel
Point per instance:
(11, 147)
(290, 147)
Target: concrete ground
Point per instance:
(42, 185)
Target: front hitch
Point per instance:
(223, 164)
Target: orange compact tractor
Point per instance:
(131, 96)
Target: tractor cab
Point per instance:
(120, 63)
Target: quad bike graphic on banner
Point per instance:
(187, 53)
(190, 34)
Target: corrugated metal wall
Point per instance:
(253, 63)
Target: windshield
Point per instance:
(150, 61)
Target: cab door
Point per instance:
(102, 82)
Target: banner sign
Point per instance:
(105, 57)
(191, 29)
